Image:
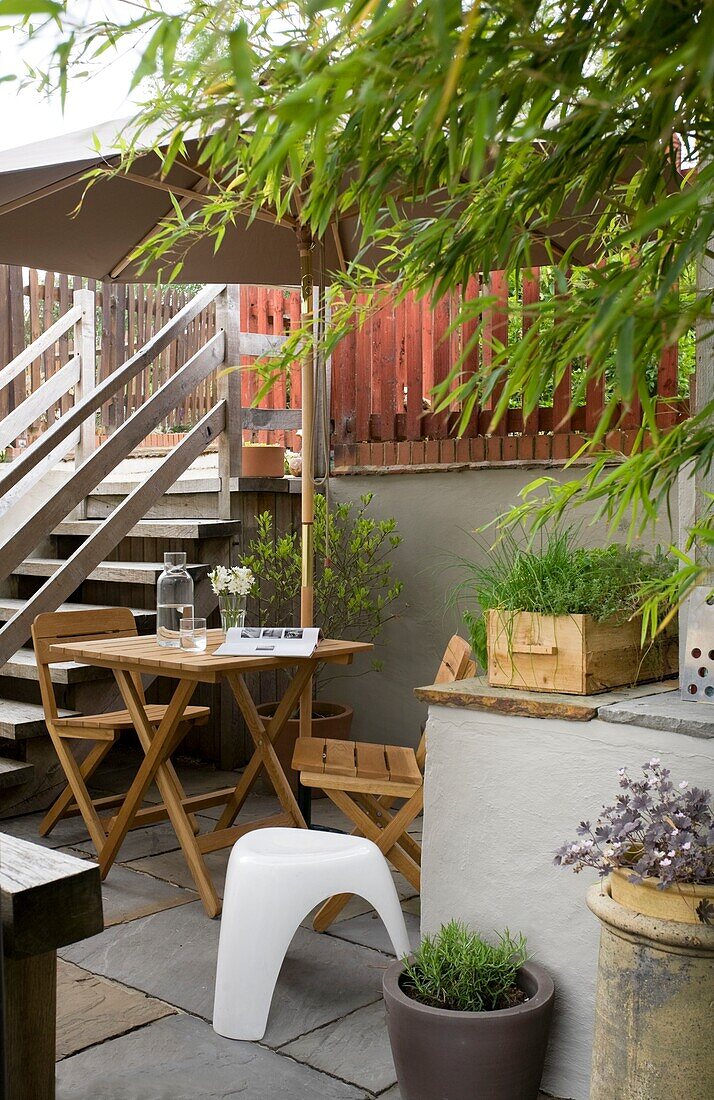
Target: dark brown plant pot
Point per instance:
(444, 1055)
(333, 720)
(267, 461)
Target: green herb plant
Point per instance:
(456, 969)
(557, 577)
(355, 592)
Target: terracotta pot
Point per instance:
(267, 461)
(331, 720)
(655, 989)
(445, 1055)
(680, 902)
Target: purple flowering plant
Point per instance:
(654, 829)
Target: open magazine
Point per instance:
(269, 641)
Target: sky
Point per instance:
(28, 116)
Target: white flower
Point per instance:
(654, 762)
(683, 784)
(219, 577)
(687, 846)
(240, 581)
(665, 862)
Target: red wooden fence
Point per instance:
(382, 374)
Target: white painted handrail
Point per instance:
(38, 402)
(40, 345)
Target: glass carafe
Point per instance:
(174, 600)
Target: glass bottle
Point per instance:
(174, 600)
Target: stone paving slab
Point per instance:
(395, 1094)
(171, 867)
(182, 1058)
(128, 895)
(69, 833)
(172, 956)
(355, 1048)
(368, 931)
(92, 1009)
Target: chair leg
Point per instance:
(87, 768)
(387, 840)
(76, 782)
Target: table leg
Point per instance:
(157, 745)
(264, 738)
(304, 795)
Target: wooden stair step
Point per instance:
(144, 616)
(23, 666)
(14, 772)
(22, 721)
(123, 572)
(158, 528)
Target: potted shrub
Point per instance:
(468, 1018)
(263, 460)
(654, 850)
(562, 617)
(656, 844)
(355, 594)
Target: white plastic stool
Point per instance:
(275, 877)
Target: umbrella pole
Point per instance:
(308, 434)
(307, 501)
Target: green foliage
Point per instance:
(519, 117)
(558, 577)
(457, 970)
(355, 592)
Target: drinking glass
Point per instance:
(192, 633)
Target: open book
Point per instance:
(269, 641)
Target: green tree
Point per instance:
(518, 116)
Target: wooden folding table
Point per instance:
(129, 657)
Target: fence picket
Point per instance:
(382, 378)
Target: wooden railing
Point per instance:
(125, 318)
(93, 464)
(225, 421)
(384, 373)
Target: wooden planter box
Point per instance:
(574, 654)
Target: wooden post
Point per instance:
(85, 348)
(230, 441)
(305, 245)
(48, 899)
(323, 404)
(693, 490)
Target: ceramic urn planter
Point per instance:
(445, 1055)
(685, 902)
(263, 460)
(653, 1007)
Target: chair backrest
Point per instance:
(456, 664)
(74, 626)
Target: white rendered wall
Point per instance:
(501, 794)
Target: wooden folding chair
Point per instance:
(364, 780)
(101, 729)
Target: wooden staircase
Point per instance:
(29, 776)
(96, 541)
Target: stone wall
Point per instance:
(502, 792)
(437, 513)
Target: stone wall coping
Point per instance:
(657, 706)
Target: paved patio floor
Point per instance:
(135, 1003)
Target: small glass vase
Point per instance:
(232, 610)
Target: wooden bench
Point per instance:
(47, 900)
